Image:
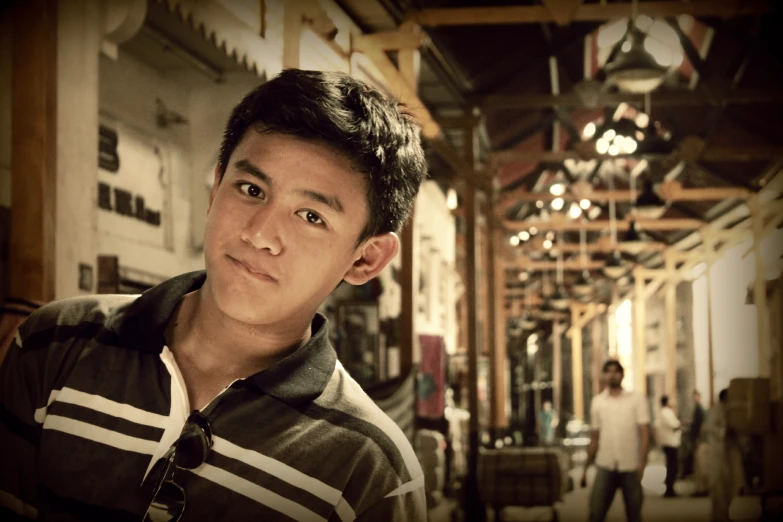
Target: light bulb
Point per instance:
(514, 240)
(558, 189)
(626, 46)
(602, 145)
(584, 204)
(629, 145)
(574, 211)
(539, 204)
(557, 203)
(589, 130)
(533, 231)
(451, 199)
(610, 134)
(614, 150)
(547, 244)
(524, 235)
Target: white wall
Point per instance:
(78, 47)
(128, 93)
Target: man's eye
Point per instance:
(311, 217)
(251, 190)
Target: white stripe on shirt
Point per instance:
(100, 435)
(412, 485)
(257, 493)
(286, 473)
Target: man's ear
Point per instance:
(214, 189)
(376, 253)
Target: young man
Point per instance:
(668, 432)
(619, 440)
(316, 174)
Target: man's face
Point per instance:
(281, 229)
(613, 376)
(697, 397)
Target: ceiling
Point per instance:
(532, 83)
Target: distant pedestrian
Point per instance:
(723, 461)
(548, 424)
(668, 432)
(619, 440)
(698, 446)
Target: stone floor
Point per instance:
(655, 508)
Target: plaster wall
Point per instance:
(78, 48)
(130, 94)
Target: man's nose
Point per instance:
(263, 230)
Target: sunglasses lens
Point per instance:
(168, 504)
(194, 443)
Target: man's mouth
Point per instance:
(254, 271)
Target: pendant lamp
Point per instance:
(614, 267)
(635, 70)
(584, 285)
(649, 205)
(559, 299)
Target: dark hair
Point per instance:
(664, 400)
(615, 363)
(723, 396)
(374, 133)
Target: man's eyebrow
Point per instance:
(248, 168)
(330, 201)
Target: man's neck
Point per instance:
(614, 392)
(218, 346)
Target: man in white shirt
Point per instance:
(668, 431)
(619, 440)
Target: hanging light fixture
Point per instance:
(559, 299)
(633, 242)
(527, 322)
(634, 69)
(649, 205)
(584, 285)
(614, 267)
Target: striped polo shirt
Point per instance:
(91, 399)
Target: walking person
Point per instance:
(723, 461)
(217, 393)
(698, 446)
(668, 432)
(548, 424)
(619, 441)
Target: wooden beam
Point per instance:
(672, 98)
(388, 41)
(625, 196)
(576, 367)
(736, 153)
(670, 314)
(760, 289)
(603, 247)
(526, 264)
(33, 150)
(557, 368)
(437, 17)
(604, 224)
(497, 324)
(639, 336)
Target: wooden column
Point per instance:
(557, 367)
(576, 365)
(639, 336)
(293, 12)
(497, 323)
(409, 269)
(670, 314)
(474, 510)
(598, 353)
(33, 150)
(710, 354)
(760, 287)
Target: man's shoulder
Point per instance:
(73, 312)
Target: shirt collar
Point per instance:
(298, 378)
